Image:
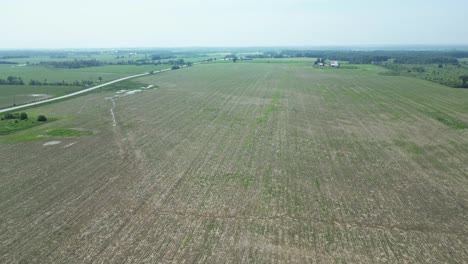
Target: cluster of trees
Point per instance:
(7, 62)
(13, 116)
(12, 80)
(147, 62)
(426, 60)
(62, 83)
(41, 118)
(179, 64)
(464, 79)
(319, 60)
(175, 62)
(155, 59)
(74, 64)
(158, 57)
(22, 116)
(450, 75)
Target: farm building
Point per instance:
(335, 64)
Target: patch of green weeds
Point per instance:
(272, 107)
(409, 146)
(67, 133)
(448, 120)
(11, 126)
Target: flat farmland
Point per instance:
(107, 72)
(22, 94)
(243, 162)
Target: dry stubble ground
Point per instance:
(228, 163)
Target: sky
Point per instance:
(214, 23)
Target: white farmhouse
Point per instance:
(335, 64)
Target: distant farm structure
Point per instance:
(320, 62)
(335, 64)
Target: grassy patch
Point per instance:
(11, 126)
(11, 95)
(350, 67)
(67, 133)
(127, 85)
(448, 120)
(409, 147)
(272, 107)
(390, 73)
(45, 134)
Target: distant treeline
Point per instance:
(14, 80)
(148, 62)
(368, 57)
(157, 57)
(62, 83)
(8, 62)
(426, 60)
(14, 57)
(58, 56)
(74, 64)
(450, 75)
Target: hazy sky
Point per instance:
(155, 23)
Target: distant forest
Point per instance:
(368, 57)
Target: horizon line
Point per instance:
(249, 46)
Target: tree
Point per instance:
(23, 116)
(464, 79)
(41, 118)
(9, 116)
(175, 67)
(100, 79)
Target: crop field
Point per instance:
(243, 163)
(108, 72)
(445, 74)
(21, 94)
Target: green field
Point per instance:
(443, 74)
(108, 73)
(21, 94)
(243, 163)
